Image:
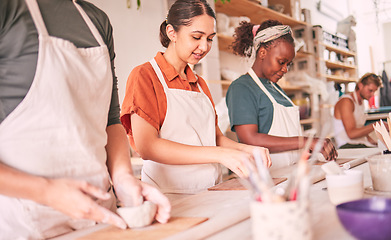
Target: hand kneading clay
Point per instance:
(321, 158)
(140, 216)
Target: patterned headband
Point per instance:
(270, 34)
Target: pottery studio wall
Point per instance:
(136, 31)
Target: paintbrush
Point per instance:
(256, 182)
(263, 171)
(382, 131)
(300, 181)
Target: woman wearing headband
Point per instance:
(260, 112)
(169, 113)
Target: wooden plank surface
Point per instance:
(339, 161)
(235, 184)
(224, 209)
(228, 212)
(255, 12)
(153, 232)
(346, 157)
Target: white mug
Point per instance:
(345, 187)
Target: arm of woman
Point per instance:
(151, 146)
(71, 197)
(223, 141)
(249, 134)
(371, 140)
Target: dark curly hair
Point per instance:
(244, 37)
(181, 13)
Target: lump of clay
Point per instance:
(139, 216)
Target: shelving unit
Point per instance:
(342, 69)
(334, 63)
(256, 12)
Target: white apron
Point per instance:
(341, 137)
(58, 130)
(286, 123)
(190, 119)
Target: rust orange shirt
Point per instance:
(145, 94)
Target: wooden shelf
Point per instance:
(338, 79)
(338, 50)
(292, 88)
(285, 88)
(222, 82)
(308, 121)
(341, 72)
(255, 12)
(336, 65)
(224, 42)
(324, 105)
(301, 54)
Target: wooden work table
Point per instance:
(229, 216)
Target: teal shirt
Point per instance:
(248, 104)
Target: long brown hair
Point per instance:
(181, 14)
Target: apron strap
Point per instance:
(159, 74)
(200, 88)
(40, 24)
(260, 84)
(282, 93)
(37, 17)
(89, 23)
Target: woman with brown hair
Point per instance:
(169, 113)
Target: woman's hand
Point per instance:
(132, 192)
(264, 153)
(328, 150)
(75, 199)
(371, 140)
(235, 159)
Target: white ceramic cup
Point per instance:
(139, 216)
(281, 221)
(345, 187)
(380, 166)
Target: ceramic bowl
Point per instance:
(380, 166)
(367, 218)
(140, 216)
